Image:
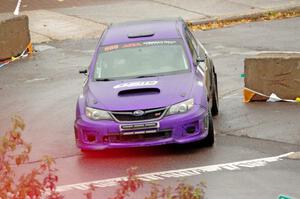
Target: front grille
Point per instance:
(134, 127)
(162, 134)
(149, 114)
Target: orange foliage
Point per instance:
(260, 17)
(14, 152)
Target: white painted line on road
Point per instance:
(36, 79)
(17, 9)
(232, 166)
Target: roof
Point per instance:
(162, 29)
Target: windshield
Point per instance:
(140, 59)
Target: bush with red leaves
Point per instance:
(38, 182)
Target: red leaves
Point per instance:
(50, 181)
(35, 184)
(21, 158)
(29, 186)
(54, 195)
(18, 123)
(130, 185)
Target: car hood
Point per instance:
(143, 93)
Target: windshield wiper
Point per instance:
(108, 79)
(103, 79)
(144, 76)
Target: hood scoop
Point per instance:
(138, 91)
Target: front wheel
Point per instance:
(215, 98)
(210, 138)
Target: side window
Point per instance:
(202, 52)
(191, 44)
(193, 40)
(197, 50)
(198, 46)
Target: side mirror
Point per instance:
(83, 71)
(200, 60)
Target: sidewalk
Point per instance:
(89, 20)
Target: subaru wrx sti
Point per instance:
(149, 83)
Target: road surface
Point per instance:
(43, 90)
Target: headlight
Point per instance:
(96, 114)
(181, 107)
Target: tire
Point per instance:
(210, 138)
(215, 98)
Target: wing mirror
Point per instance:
(199, 60)
(85, 71)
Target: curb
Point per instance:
(252, 16)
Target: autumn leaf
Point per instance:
(219, 23)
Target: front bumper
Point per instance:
(180, 128)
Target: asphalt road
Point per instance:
(43, 90)
(10, 5)
(229, 47)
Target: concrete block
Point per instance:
(277, 73)
(14, 36)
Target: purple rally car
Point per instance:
(149, 83)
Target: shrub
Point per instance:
(14, 151)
